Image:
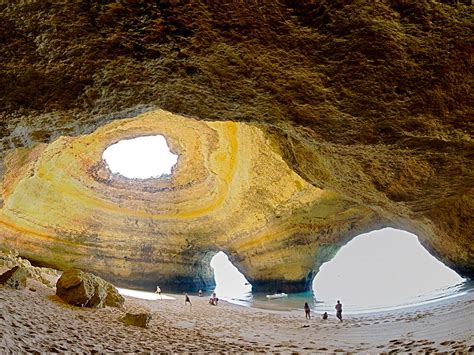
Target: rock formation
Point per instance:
(44, 275)
(136, 319)
(14, 278)
(229, 191)
(87, 290)
(298, 126)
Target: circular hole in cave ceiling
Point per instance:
(140, 158)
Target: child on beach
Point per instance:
(158, 291)
(325, 315)
(213, 300)
(307, 310)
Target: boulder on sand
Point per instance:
(44, 275)
(138, 319)
(14, 278)
(87, 290)
(114, 298)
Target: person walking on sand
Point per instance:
(339, 310)
(307, 310)
(187, 300)
(158, 291)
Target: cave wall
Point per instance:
(367, 101)
(228, 191)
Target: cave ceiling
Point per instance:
(297, 126)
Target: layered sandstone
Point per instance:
(229, 191)
(360, 113)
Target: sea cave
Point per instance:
(274, 133)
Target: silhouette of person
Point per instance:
(339, 310)
(158, 291)
(307, 310)
(325, 315)
(187, 300)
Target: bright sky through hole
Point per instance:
(383, 267)
(140, 158)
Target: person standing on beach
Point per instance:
(158, 291)
(339, 310)
(187, 300)
(307, 310)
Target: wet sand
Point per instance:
(37, 321)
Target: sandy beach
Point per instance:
(35, 320)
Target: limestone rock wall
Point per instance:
(367, 102)
(229, 191)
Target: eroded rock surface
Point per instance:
(360, 114)
(136, 319)
(14, 278)
(47, 276)
(229, 191)
(87, 290)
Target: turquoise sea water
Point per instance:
(295, 301)
(380, 270)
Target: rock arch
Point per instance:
(231, 191)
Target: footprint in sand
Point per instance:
(447, 342)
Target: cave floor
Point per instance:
(38, 321)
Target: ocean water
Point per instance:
(381, 270)
(295, 301)
(378, 271)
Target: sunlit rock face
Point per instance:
(371, 103)
(229, 191)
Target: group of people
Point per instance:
(212, 300)
(338, 308)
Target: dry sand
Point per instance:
(37, 321)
